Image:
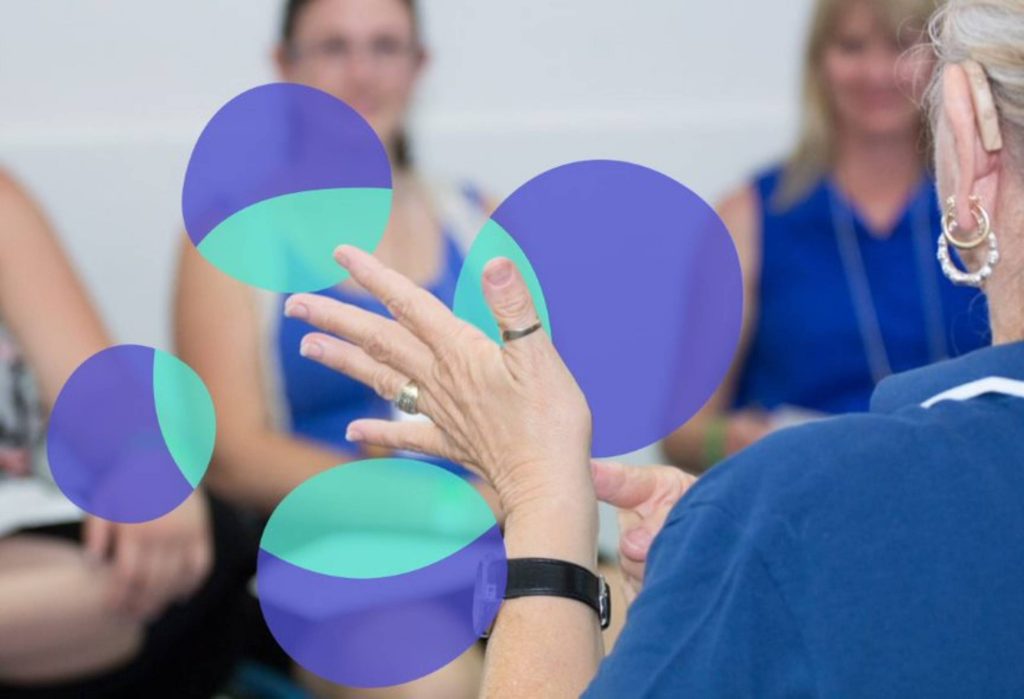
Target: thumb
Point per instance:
(623, 486)
(96, 536)
(508, 297)
(635, 543)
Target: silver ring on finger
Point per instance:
(512, 335)
(407, 399)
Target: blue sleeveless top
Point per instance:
(322, 402)
(808, 349)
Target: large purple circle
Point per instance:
(643, 288)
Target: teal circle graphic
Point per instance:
(131, 433)
(281, 176)
(636, 280)
(370, 573)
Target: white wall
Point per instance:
(103, 100)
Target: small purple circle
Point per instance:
(131, 434)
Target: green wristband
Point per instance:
(714, 441)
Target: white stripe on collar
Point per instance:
(974, 389)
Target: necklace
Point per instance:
(860, 289)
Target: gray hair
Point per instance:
(990, 32)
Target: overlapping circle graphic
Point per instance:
(380, 572)
(281, 176)
(369, 573)
(131, 434)
(638, 282)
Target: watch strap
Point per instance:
(546, 577)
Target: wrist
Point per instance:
(562, 526)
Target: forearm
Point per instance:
(547, 646)
(53, 322)
(258, 468)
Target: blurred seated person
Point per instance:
(837, 244)
(88, 607)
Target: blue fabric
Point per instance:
(807, 349)
(870, 555)
(322, 402)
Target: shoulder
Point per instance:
(740, 211)
(742, 208)
(462, 207)
(11, 191)
(823, 469)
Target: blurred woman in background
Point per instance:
(281, 418)
(88, 607)
(837, 244)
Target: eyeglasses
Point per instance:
(385, 53)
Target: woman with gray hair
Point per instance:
(870, 555)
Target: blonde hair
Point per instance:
(815, 151)
(991, 33)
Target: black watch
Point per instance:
(545, 577)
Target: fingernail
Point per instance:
(353, 435)
(499, 273)
(297, 310)
(311, 349)
(342, 256)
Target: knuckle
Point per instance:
(378, 348)
(513, 304)
(381, 384)
(398, 307)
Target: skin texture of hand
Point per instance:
(154, 563)
(514, 414)
(644, 496)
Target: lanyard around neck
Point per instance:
(865, 308)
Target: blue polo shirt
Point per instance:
(873, 555)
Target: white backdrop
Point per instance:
(103, 100)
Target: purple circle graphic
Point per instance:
(281, 175)
(643, 289)
(380, 572)
(131, 434)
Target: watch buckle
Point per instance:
(604, 604)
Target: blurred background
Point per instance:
(103, 102)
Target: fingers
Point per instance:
(635, 543)
(158, 582)
(418, 310)
(144, 578)
(421, 437)
(623, 486)
(510, 300)
(96, 537)
(385, 341)
(126, 575)
(353, 361)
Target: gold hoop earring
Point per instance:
(983, 235)
(949, 225)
